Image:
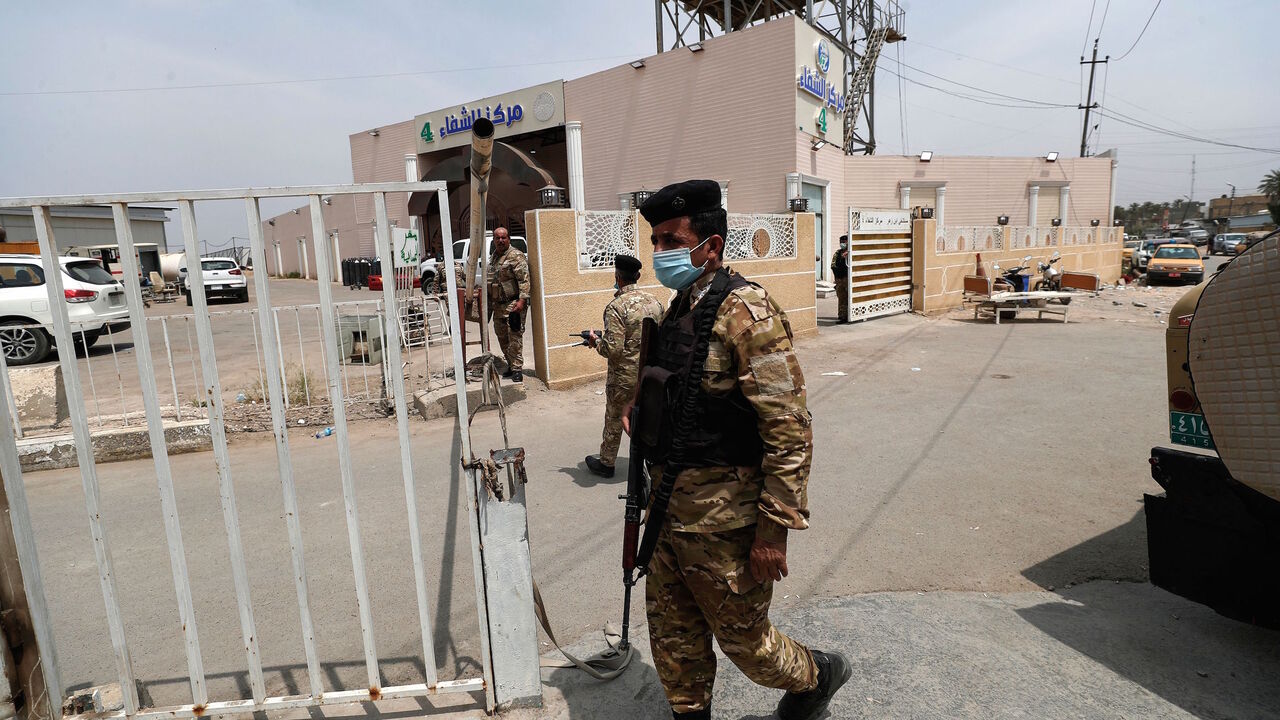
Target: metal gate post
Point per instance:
(22, 590)
(504, 572)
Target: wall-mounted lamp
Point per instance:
(926, 156)
(272, 223)
(1095, 222)
(553, 196)
(1002, 220)
(639, 197)
(798, 204)
(295, 211)
(819, 144)
(327, 201)
(926, 213)
(695, 47)
(1118, 222)
(1056, 222)
(374, 132)
(637, 64)
(1051, 157)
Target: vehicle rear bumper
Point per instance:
(1182, 275)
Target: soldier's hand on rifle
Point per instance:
(592, 339)
(768, 559)
(519, 305)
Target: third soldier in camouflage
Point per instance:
(624, 320)
(739, 443)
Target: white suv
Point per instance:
(223, 277)
(95, 303)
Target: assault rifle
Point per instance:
(637, 496)
(586, 335)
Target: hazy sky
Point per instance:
(73, 120)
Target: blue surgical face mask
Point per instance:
(674, 269)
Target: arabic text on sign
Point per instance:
(464, 118)
(817, 85)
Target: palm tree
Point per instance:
(1270, 185)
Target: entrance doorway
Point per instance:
(814, 194)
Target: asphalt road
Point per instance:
(950, 455)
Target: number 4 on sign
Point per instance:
(822, 121)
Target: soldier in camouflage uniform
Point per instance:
(624, 319)
(508, 287)
(743, 478)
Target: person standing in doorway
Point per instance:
(840, 271)
(508, 287)
(624, 320)
(730, 466)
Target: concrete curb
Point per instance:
(443, 402)
(51, 453)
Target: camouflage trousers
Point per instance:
(842, 299)
(616, 398)
(700, 585)
(511, 342)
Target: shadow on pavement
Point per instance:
(1117, 554)
(1185, 653)
(1206, 664)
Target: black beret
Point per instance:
(626, 263)
(681, 199)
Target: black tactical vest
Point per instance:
(727, 433)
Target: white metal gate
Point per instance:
(879, 281)
(185, 621)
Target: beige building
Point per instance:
(759, 109)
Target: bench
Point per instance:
(980, 291)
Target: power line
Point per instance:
(1144, 31)
(262, 83)
(1085, 43)
(988, 92)
(1134, 122)
(1103, 23)
(971, 98)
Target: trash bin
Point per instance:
(356, 271)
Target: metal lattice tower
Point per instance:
(859, 28)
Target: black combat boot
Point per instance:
(703, 714)
(599, 468)
(833, 671)
(517, 376)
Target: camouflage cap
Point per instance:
(681, 199)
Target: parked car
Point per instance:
(1250, 240)
(1131, 245)
(1198, 236)
(1143, 254)
(1225, 243)
(375, 281)
(95, 304)
(1176, 261)
(223, 277)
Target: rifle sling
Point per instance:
(688, 416)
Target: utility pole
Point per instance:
(1089, 103)
(1192, 196)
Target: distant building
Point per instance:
(1251, 223)
(1240, 205)
(89, 231)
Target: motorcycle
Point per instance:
(1012, 280)
(1051, 277)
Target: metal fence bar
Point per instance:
(275, 319)
(302, 357)
(173, 377)
(229, 194)
(124, 408)
(222, 459)
(257, 355)
(84, 453)
(160, 454)
(88, 364)
(391, 349)
(191, 354)
(331, 349)
(9, 401)
(279, 425)
(460, 385)
(24, 542)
